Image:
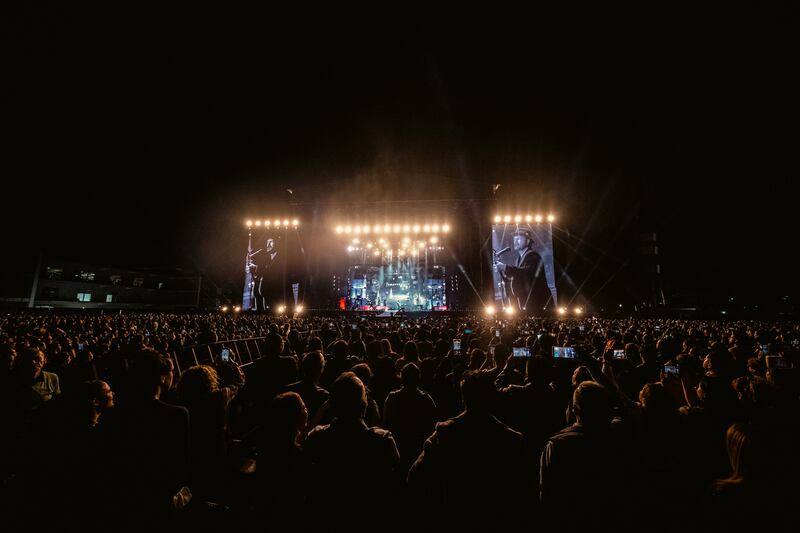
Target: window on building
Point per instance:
(84, 296)
(138, 282)
(109, 298)
(116, 279)
(86, 276)
(54, 273)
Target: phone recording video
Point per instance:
(467, 332)
(457, 346)
(619, 354)
(671, 370)
(354, 326)
(564, 352)
(765, 349)
(225, 355)
(497, 333)
(522, 352)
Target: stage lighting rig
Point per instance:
(519, 218)
(273, 223)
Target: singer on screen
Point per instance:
(525, 272)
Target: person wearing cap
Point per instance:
(524, 273)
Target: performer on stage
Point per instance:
(523, 275)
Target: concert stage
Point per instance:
(393, 267)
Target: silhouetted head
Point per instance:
(477, 390)
(592, 404)
(348, 397)
(409, 376)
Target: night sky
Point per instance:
(147, 138)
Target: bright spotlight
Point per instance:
(446, 228)
(416, 228)
(369, 245)
(295, 222)
(551, 218)
(507, 219)
(357, 230)
(538, 218)
(509, 310)
(281, 309)
(435, 228)
(376, 229)
(277, 223)
(528, 218)
(406, 228)
(396, 228)
(578, 311)
(249, 223)
(286, 222)
(562, 310)
(434, 240)
(365, 229)
(258, 222)
(356, 241)
(376, 253)
(350, 248)
(426, 228)
(224, 308)
(298, 309)
(498, 219)
(266, 223)
(348, 229)
(237, 309)
(387, 228)
(339, 230)
(490, 310)
(518, 219)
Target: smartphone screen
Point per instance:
(564, 352)
(497, 333)
(467, 332)
(619, 354)
(225, 355)
(457, 345)
(764, 349)
(521, 352)
(671, 370)
(354, 326)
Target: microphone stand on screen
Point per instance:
(502, 284)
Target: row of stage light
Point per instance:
(397, 228)
(517, 219)
(366, 229)
(279, 309)
(406, 244)
(510, 311)
(276, 223)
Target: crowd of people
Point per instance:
(397, 423)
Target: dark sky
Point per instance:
(146, 138)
